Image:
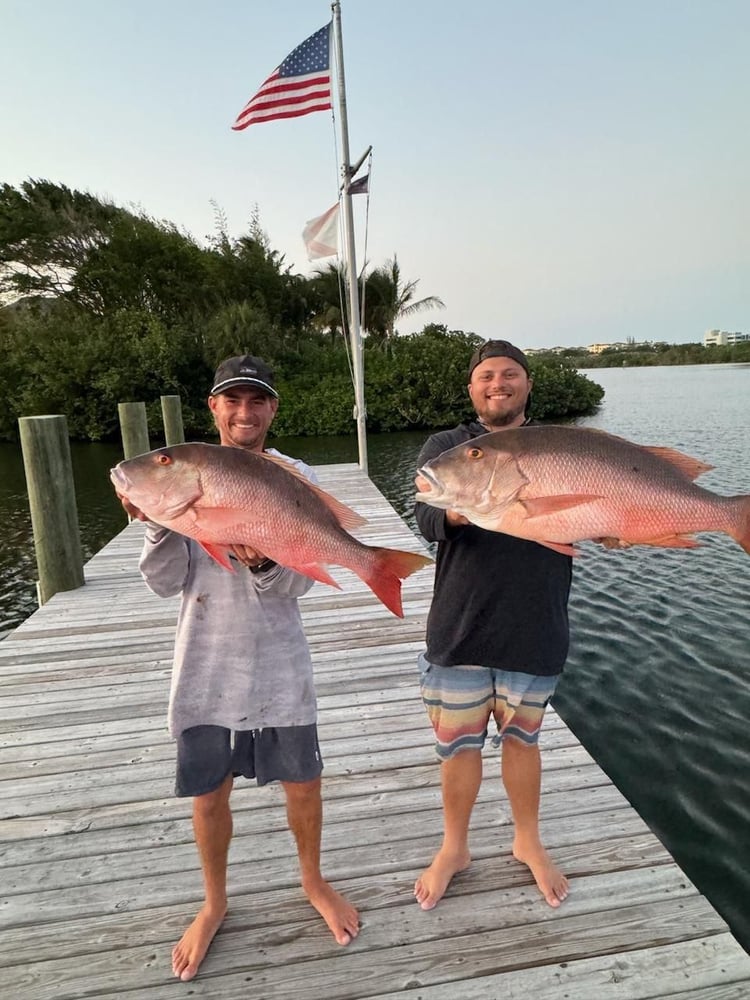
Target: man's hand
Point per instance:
(451, 516)
(454, 518)
(130, 509)
(247, 556)
(612, 543)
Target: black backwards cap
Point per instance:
(244, 370)
(498, 349)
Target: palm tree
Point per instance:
(388, 299)
(329, 299)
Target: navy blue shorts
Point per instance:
(207, 754)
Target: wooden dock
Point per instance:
(99, 874)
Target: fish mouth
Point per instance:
(436, 488)
(162, 506)
(119, 479)
(426, 473)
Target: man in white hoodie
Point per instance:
(242, 700)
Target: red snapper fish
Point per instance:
(558, 485)
(223, 496)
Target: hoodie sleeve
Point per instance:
(165, 560)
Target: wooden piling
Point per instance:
(133, 428)
(171, 409)
(52, 502)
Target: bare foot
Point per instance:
(191, 949)
(430, 887)
(341, 917)
(551, 882)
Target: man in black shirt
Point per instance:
(497, 640)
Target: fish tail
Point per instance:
(384, 575)
(741, 533)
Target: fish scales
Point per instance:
(274, 511)
(641, 495)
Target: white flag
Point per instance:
(321, 235)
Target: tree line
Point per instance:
(110, 305)
(645, 355)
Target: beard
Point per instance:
(497, 420)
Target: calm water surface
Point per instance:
(657, 686)
(658, 682)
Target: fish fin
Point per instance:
(219, 553)
(666, 542)
(691, 468)
(391, 567)
(564, 550)
(538, 506)
(671, 542)
(345, 516)
(315, 571)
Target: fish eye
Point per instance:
(475, 452)
(163, 459)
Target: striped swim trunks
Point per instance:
(461, 700)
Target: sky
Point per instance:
(558, 172)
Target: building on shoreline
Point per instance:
(721, 338)
(711, 338)
(630, 345)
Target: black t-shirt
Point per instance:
(499, 601)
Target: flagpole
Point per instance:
(355, 336)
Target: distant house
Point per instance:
(547, 350)
(617, 346)
(722, 338)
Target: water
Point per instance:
(100, 517)
(657, 686)
(658, 682)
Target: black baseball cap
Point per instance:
(498, 349)
(244, 370)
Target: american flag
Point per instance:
(299, 86)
